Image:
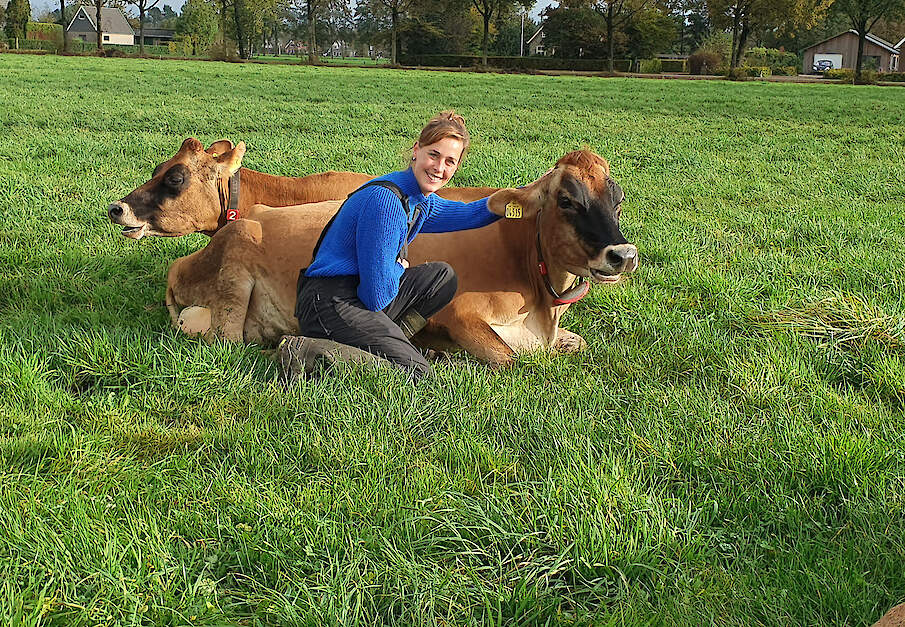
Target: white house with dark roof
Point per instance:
(115, 28)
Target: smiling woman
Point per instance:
(359, 290)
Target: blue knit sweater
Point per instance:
(367, 235)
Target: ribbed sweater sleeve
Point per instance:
(382, 225)
(450, 215)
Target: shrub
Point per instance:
(773, 58)
(895, 77)
(720, 44)
(785, 70)
(756, 71)
(651, 66)
(868, 77)
(704, 62)
(223, 51)
(3, 45)
(673, 65)
(842, 74)
(736, 74)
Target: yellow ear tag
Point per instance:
(513, 210)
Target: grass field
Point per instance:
(728, 451)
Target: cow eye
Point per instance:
(174, 180)
(566, 203)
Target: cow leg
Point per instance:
(478, 338)
(568, 342)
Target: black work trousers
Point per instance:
(329, 307)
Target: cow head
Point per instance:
(577, 207)
(183, 195)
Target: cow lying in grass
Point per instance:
(199, 191)
(515, 276)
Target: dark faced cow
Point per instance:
(199, 191)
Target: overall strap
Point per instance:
(411, 218)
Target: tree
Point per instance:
(143, 7)
(198, 24)
(742, 17)
(863, 15)
(18, 12)
(490, 8)
(649, 32)
(575, 32)
(616, 15)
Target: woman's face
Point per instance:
(435, 164)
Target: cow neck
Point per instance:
(260, 188)
(228, 190)
(571, 288)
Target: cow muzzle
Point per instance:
(613, 262)
(121, 213)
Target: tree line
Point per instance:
(606, 29)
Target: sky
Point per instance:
(39, 7)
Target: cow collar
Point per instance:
(573, 295)
(229, 199)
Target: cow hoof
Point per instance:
(194, 320)
(569, 343)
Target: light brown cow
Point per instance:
(893, 618)
(563, 226)
(191, 192)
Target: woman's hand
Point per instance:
(404, 263)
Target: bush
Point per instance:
(720, 44)
(223, 51)
(513, 63)
(3, 45)
(673, 65)
(785, 70)
(777, 60)
(756, 71)
(845, 75)
(651, 66)
(895, 77)
(704, 62)
(44, 31)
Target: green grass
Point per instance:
(728, 451)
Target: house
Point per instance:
(115, 28)
(842, 49)
(156, 36)
(536, 45)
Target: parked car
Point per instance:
(822, 66)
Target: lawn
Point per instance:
(729, 450)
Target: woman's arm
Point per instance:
(450, 215)
(382, 225)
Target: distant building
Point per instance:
(842, 50)
(156, 36)
(536, 45)
(115, 28)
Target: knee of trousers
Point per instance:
(446, 281)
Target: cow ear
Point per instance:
(191, 144)
(232, 159)
(520, 203)
(219, 147)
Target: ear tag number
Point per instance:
(231, 215)
(513, 210)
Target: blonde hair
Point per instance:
(445, 124)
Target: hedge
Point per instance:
(893, 77)
(868, 77)
(515, 63)
(673, 65)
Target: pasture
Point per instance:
(729, 450)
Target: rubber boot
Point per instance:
(412, 322)
(299, 354)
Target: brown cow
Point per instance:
(512, 274)
(893, 618)
(191, 192)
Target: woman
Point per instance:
(359, 290)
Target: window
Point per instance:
(539, 50)
(106, 37)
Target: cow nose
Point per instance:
(622, 256)
(115, 210)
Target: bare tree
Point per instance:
(143, 7)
